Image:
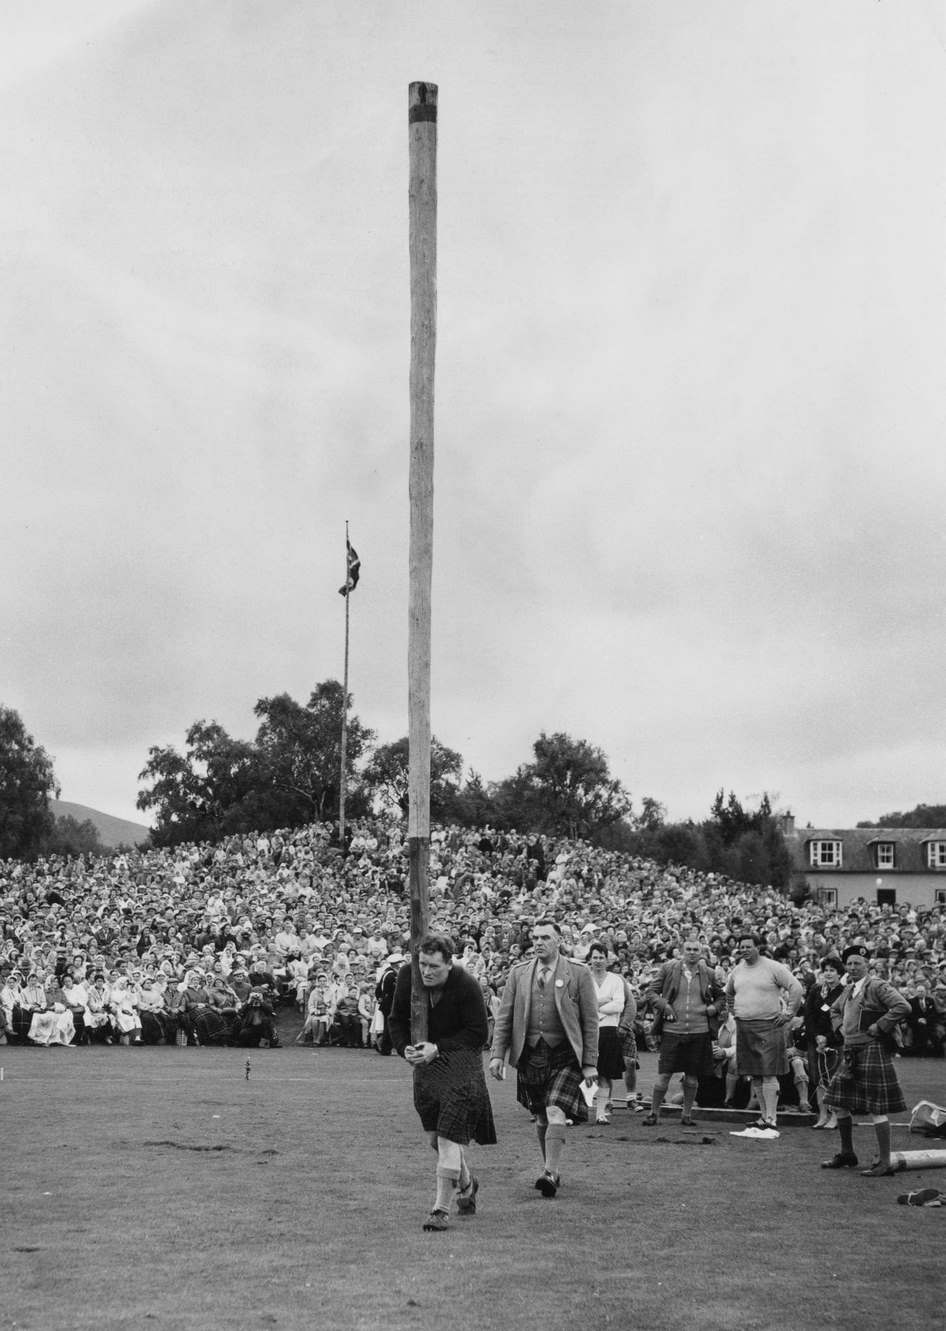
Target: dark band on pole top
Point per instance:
(422, 103)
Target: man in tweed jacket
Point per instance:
(547, 1024)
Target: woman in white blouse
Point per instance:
(610, 990)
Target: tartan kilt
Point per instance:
(865, 1082)
(451, 1098)
(551, 1077)
(628, 1048)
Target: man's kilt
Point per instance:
(451, 1098)
(865, 1082)
(551, 1077)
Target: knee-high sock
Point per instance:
(657, 1094)
(883, 1139)
(846, 1131)
(446, 1186)
(540, 1130)
(554, 1142)
(690, 1086)
(768, 1096)
(465, 1175)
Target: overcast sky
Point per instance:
(690, 477)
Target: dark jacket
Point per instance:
(457, 1021)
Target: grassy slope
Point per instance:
(160, 1187)
(112, 831)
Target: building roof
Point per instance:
(858, 844)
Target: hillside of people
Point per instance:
(207, 943)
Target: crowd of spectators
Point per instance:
(203, 944)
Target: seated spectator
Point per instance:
(73, 998)
(123, 1010)
(257, 1028)
(152, 1012)
(320, 1012)
(346, 1029)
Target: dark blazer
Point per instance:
(457, 1021)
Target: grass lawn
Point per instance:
(158, 1187)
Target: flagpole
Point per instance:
(342, 783)
(422, 195)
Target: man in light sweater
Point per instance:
(764, 997)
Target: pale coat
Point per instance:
(576, 1001)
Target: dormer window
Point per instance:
(936, 854)
(885, 854)
(827, 854)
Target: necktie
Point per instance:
(543, 976)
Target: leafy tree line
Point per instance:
(289, 775)
(28, 827)
(746, 845)
(924, 815)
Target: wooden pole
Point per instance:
(422, 135)
(343, 776)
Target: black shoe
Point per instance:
(843, 1160)
(548, 1183)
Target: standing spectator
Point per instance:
(821, 1038)
(867, 1011)
(384, 993)
(548, 1025)
(688, 1000)
(610, 994)
(450, 1092)
(764, 996)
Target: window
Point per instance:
(884, 852)
(826, 896)
(936, 854)
(827, 855)
(939, 896)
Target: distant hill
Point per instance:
(112, 831)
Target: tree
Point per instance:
(27, 782)
(301, 748)
(567, 791)
(386, 777)
(288, 776)
(209, 791)
(72, 838)
(652, 816)
(924, 815)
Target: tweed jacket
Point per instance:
(666, 985)
(575, 1000)
(881, 1006)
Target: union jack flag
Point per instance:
(354, 570)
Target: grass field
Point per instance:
(159, 1188)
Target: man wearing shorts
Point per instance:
(548, 1025)
(688, 1000)
(764, 996)
(450, 1092)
